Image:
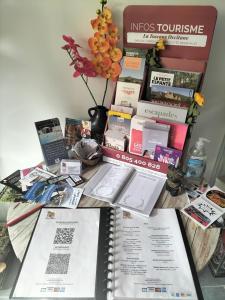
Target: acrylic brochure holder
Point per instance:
(188, 31)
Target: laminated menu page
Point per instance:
(126, 187)
(151, 258)
(65, 256)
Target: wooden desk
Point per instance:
(202, 242)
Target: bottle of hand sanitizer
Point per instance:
(196, 162)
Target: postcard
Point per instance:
(207, 208)
(167, 155)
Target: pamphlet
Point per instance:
(175, 78)
(127, 93)
(51, 140)
(126, 187)
(207, 208)
(36, 175)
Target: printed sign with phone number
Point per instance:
(138, 162)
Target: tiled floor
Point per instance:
(212, 288)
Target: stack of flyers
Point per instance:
(35, 175)
(63, 195)
(207, 208)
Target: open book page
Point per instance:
(107, 183)
(150, 258)
(59, 257)
(141, 192)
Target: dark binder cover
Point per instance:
(102, 256)
(190, 259)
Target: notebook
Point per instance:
(102, 253)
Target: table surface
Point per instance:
(202, 242)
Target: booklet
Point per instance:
(51, 140)
(207, 208)
(101, 253)
(126, 187)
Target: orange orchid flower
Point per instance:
(113, 30)
(106, 63)
(97, 62)
(99, 25)
(94, 23)
(98, 43)
(107, 15)
(116, 54)
(106, 55)
(115, 70)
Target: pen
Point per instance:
(24, 216)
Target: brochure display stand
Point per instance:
(188, 32)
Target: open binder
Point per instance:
(102, 253)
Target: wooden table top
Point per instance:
(202, 242)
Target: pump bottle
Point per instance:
(196, 162)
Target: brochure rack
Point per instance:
(188, 31)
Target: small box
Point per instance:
(115, 139)
(70, 166)
(122, 125)
(217, 262)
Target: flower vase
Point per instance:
(98, 118)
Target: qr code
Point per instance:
(58, 264)
(64, 236)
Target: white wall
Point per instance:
(36, 82)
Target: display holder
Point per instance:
(188, 31)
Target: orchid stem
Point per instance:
(106, 86)
(82, 76)
(85, 81)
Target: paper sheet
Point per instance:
(59, 257)
(150, 258)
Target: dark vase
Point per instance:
(98, 118)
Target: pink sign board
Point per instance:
(188, 30)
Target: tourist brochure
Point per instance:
(51, 140)
(126, 187)
(207, 208)
(170, 92)
(175, 78)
